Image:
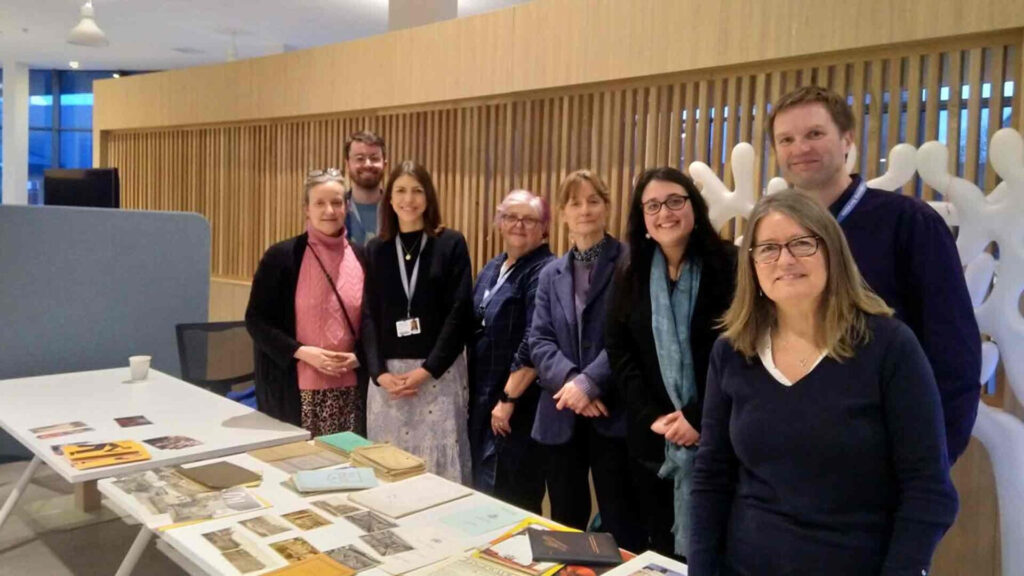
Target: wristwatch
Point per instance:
(504, 397)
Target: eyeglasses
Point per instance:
(800, 247)
(673, 202)
(359, 159)
(511, 220)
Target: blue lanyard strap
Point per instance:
(853, 201)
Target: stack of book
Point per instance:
(97, 455)
(390, 463)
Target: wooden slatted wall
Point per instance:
(246, 179)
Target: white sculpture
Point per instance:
(985, 219)
(725, 204)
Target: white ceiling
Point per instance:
(150, 34)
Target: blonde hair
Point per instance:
(846, 302)
(568, 188)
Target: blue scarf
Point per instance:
(670, 323)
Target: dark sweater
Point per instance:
(442, 302)
(907, 255)
(845, 472)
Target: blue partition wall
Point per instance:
(84, 288)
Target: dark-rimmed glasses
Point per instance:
(511, 220)
(799, 247)
(673, 202)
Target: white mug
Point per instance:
(139, 366)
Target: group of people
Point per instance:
(792, 406)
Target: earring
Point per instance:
(647, 235)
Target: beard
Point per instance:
(368, 179)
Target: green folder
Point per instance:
(343, 442)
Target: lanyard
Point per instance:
(853, 201)
(502, 277)
(409, 284)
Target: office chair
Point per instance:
(218, 357)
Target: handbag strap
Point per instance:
(334, 289)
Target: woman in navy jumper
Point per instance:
(662, 323)
(581, 420)
(503, 399)
(823, 448)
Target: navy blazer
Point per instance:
(561, 350)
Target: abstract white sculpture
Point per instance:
(983, 219)
(725, 204)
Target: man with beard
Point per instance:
(365, 161)
(902, 247)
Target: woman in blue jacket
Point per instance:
(581, 421)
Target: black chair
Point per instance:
(217, 356)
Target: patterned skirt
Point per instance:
(333, 410)
(433, 424)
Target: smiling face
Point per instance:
(326, 208)
(789, 280)
(409, 200)
(366, 165)
(586, 213)
(521, 228)
(810, 149)
(669, 228)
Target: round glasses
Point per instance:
(673, 202)
(800, 247)
(511, 220)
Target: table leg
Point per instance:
(87, 496)
(135, 552)
(19, 488)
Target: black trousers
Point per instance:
(656, 505)
(565, 472)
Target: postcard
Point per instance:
(336, 506)
(368, 521)
(222, 539)
(265, 526)
(129, 421)
(294, 550)
(412, 495)
(306, 519)
(59, 433)
(353, 557)
(243, 560)
(172, 442)
(65, 427)
(386, 543)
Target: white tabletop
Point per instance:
(416, 528)
(175, 408)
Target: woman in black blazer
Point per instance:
(307, 372)
(669, 232)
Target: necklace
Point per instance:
(408, 251)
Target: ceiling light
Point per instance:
(73, 64)
(86, 32)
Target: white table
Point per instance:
(189, 542)
(175, 408)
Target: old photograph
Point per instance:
(369, 522)
(306, 519)
(386, 543)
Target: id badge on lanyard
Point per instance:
(409, 326)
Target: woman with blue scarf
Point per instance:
(660, 329)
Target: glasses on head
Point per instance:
(324, 175)
(800, 247)
(511, 220)
(673, 202)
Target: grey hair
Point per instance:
(525, 197)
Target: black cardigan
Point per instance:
(270, 319)
(634, 357)
(443, 302)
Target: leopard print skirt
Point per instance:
(333, 410)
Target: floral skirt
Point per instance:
(433, 424)
(332, 410)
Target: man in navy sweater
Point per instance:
(903, 248)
